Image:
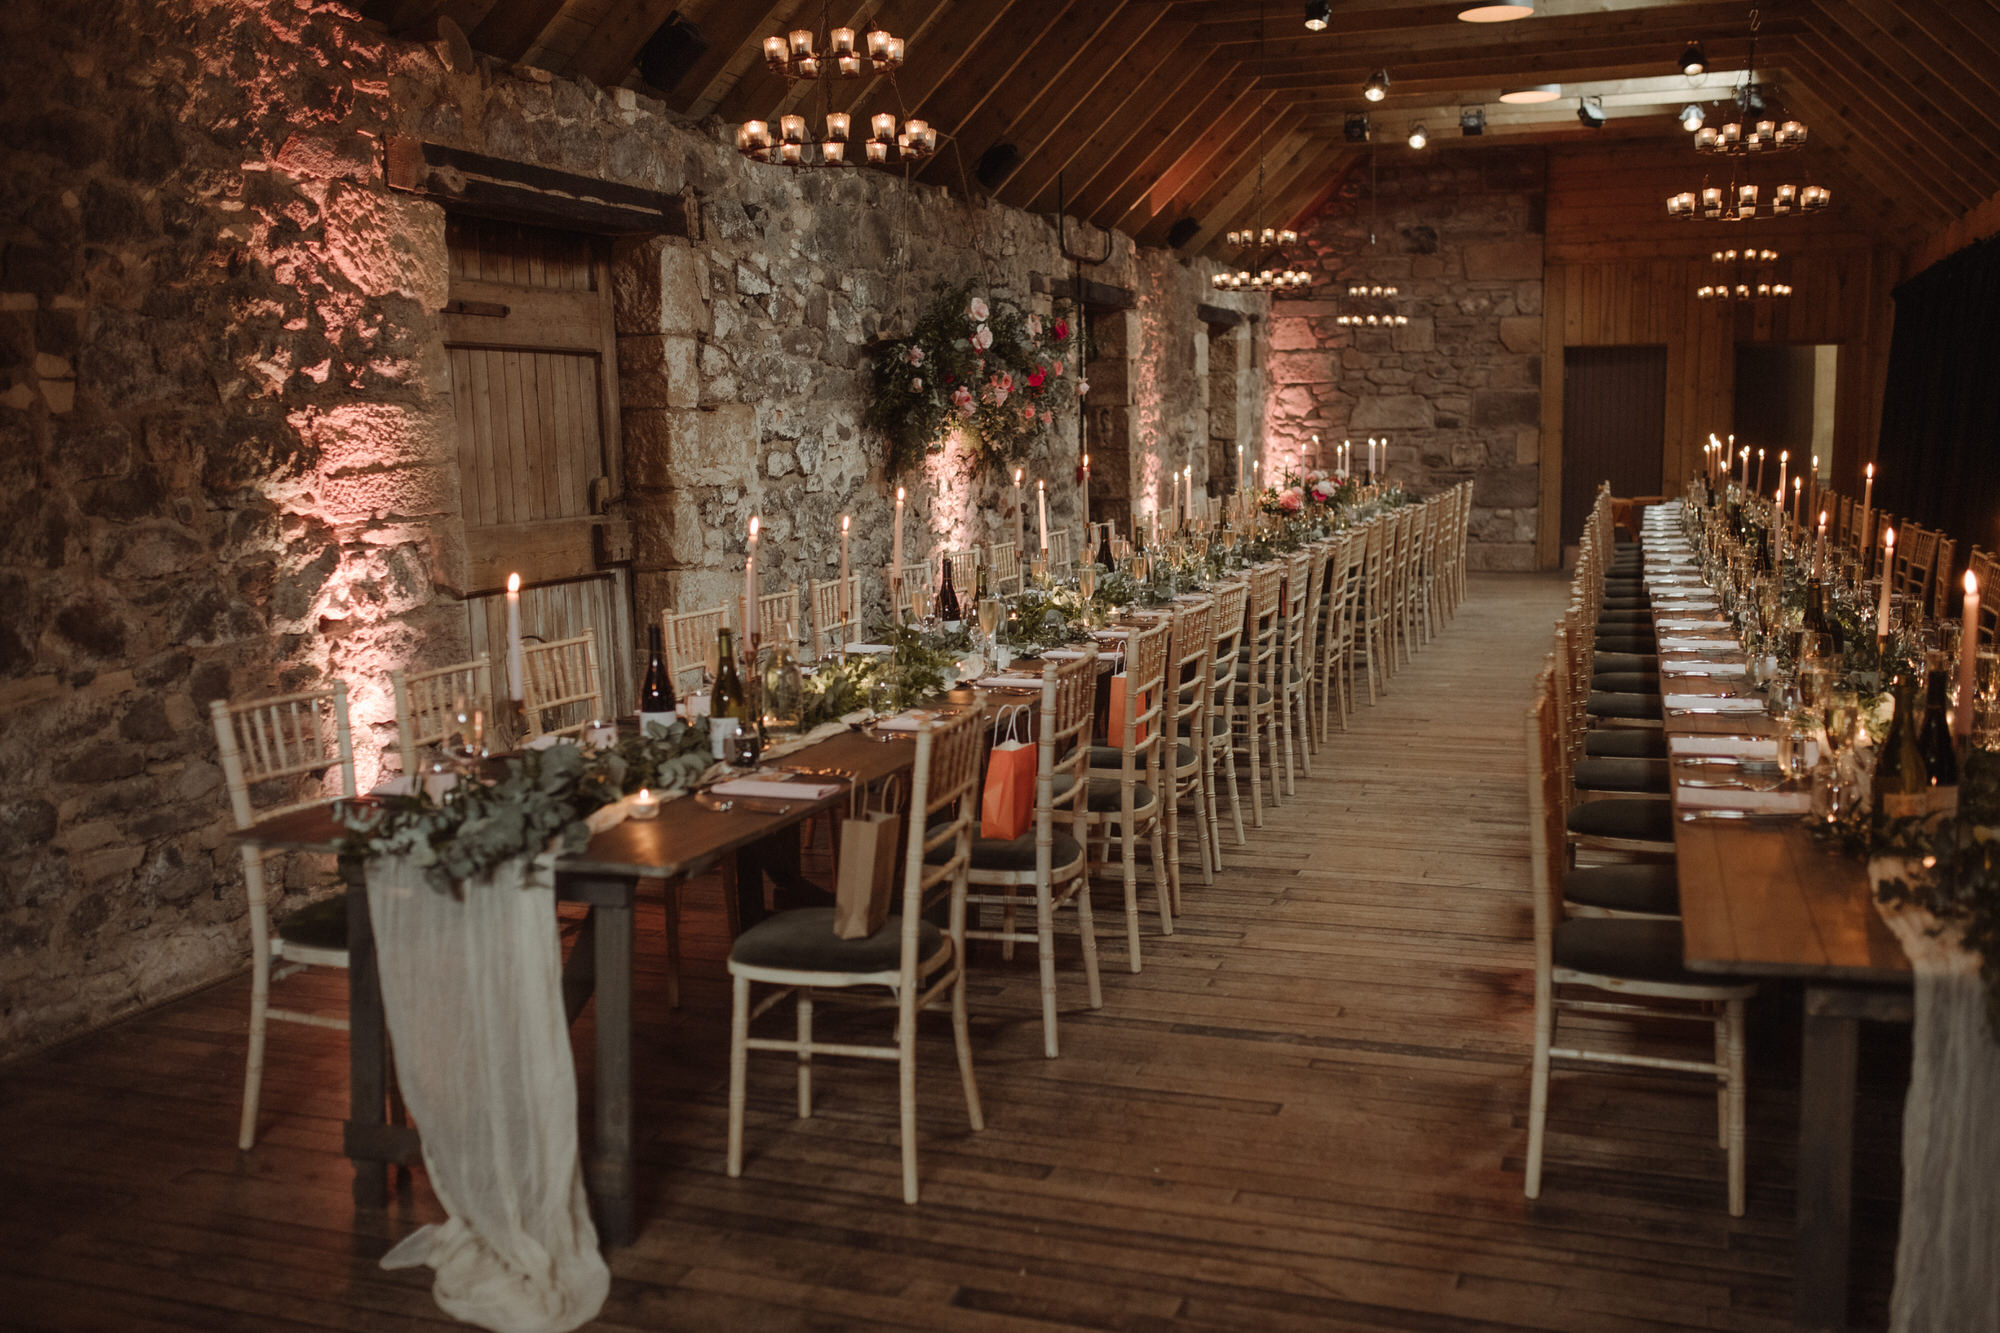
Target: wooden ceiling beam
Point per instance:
(1315, 185)
(1887, 173)
(1057, 127)
(1100, 126)
(1199, 180)
(607, 55)
(1571, 64)
(1714, 22)
(987, 66)
(1886, 33)
(1068, 60)
(1970, 33)
(727, 31)
(1148, 197)
(1159, 140)
(1359, 16)
(949, 40)
(1868, 107)
(510, 31)
(1233, 202)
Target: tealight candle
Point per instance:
(645, 805)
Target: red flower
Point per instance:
(1061, 330)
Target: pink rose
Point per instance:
(982, 337)
(977, 310)
(961, 398)
(1290, 500)
(916, 385)
(1082, 388)
(1056, 366)
(915, 356)
(1028, 412)
(1034, 326)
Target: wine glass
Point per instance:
(989, 618)
(1839, 708)
(1086, 581)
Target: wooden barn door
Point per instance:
(1614, 426)
(535, 391)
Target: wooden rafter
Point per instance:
(1159, 111)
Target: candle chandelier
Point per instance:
(1263, 260)
(1743, 275)
(1371, 305)
(1754, 133)
(819, 57)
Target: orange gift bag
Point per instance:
(1007, 804)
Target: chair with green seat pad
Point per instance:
(911, 957)
(1048, 860)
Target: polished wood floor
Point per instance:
(1306, 1113)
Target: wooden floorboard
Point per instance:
(1306, 1113)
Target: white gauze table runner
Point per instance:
(472, 989)
(1948, 1252)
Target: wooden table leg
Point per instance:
(1826, 1164)
(367, 1045)
(610, 1166)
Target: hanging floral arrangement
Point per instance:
(1000, 378)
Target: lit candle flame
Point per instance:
(513, 583)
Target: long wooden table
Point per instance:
(1763, 899)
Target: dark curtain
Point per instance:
(1939, 461)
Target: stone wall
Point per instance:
(1457, 390)
(226, 431)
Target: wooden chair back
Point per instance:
(1943, 565)
(1069, 705)
(1188, 654)
(564, 689)
(1062, 550)
(916, 580)
(1916, 552)
(1226, 621)
(1137, 732)
(775, 610)
(1344, 568)
(426, 701)
(1003, 567)
(278, 741)
(1986, 569)
(1264, 629)
(1301, 599)
(836, 615)
(942, 810)
(690, 637)
(1547, 834)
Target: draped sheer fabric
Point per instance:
(472, 986)
(1947, 1276)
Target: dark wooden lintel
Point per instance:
(1215, 314)
(493, 187)
(1096, 295)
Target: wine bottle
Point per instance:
(1901, 783)
(784, 686)
(728, 703)
(947, 602)
(979, 585)
(656, 691)
(1105, 559)
(1940, 751)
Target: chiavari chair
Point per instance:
(1985, 568)
(1338, 618)
(1375, 594)
(1003, 567)
(917, 961)
(1184, 766)
(1300, 596)
(1128, 801)
(1049, 859)
(912, 581)
(690, 637)
(1916, 553)
(836, 615)
(1942, 565)
(1062, 557)
(1219, 729)
(1635, 964)
(775, 611)
(426, 701)
(1256, 711)
(288, 742)
(563, 688)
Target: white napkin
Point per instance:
(1010, 682)
(1742, 798)
(1699, 668)
(1064, 655)
(543, 742)
(1690, 622)
(1730, 746)
(1721, 643)
(396, 786)
(876, 649)
(1712, 703)
(913, 720)
(1110, 633)
(784, 791)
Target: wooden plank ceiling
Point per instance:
(1138, 114)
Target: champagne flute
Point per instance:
(1086, 581)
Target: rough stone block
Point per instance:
(1508, 488)
(1419, 335)
(658, 370)
(1403, 411)
(1506, 407)
(1503, 261)
(1527, 447)
(658, 288)
(1521, 333)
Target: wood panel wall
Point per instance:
(1617, 271)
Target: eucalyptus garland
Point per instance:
(1000, 377)
(538, 802)
(1044, 618)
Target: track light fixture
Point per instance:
(1418, 138)
(1377, 86)
(1357, 127)
(1319, 13)
(1691, 117)
(1590, 110)
(1472, 121)
(1694, 61)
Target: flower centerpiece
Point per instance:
(1000, 378)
